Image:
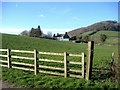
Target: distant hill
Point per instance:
(104, 25)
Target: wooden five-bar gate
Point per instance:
(9, 63)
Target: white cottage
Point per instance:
(62, 37)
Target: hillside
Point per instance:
(104, 25)
(112, 37)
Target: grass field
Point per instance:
(86, 33)
(112, 36)
(102, 56)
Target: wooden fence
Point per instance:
(36, 68)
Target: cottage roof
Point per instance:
(66, 35)
(59, 35)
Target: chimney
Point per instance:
(38, 27)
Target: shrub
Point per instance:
(103, 38)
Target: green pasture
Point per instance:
(102, 58)
(112, 36)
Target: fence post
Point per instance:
(90, 58)
(112, 56)
(8, 58)
(83, 65)
(35, 61)
(65, 64)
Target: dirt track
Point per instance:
(4, 84)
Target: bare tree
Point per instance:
(25, 33)
(49, 34)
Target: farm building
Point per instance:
(36, 32)
(62, 37)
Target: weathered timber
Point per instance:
(83, 65)
(75, 55)
(49, 60)
(35, 62)
(3, 65)
(4, 61)
(90, 59)
(74, 70)
(3, 56)
(22, 51)
(48, 72)
(20, 57)
(65, 65)
(3, 49)
(19, 63)
(50, 53)
(26, 69)
(78, 63)
(76, 76)
(50, 67)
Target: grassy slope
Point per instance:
(86, 33)
(29, 43)
(108, 33)
(26, 79)
(112, 36)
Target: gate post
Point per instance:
(90, 59)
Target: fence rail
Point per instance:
(4, 61)
(50, 53)
(3, 56)
(3, 49)
(36, 67)
(48, 72)
(49, 60)
(19, 63)
(21, 68)
(20, 57)
(22, 51)
(50, 67)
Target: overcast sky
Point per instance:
(55, 17)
